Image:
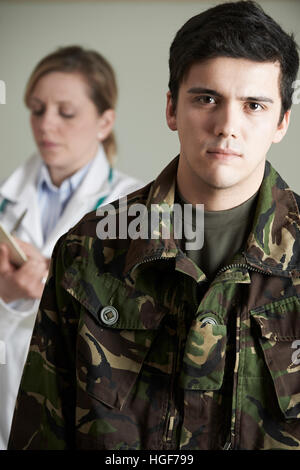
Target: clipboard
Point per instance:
(16, 254)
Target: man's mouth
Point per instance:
(223, 154)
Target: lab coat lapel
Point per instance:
(31, 224)
(94, 186)
(20, 190)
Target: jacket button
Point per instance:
(109, 315)
(210, 320)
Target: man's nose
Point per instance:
(227, 121)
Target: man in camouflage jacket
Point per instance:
(134, 347)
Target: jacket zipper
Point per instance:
(227, 446)
(228, 443)
(170, 427)
(171, 417)
(149, 259)
(172, 410)
(242, 265)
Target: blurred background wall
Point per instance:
(135, 36)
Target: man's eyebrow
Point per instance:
(208, 91)
(256, 98)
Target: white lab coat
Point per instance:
(16, 324)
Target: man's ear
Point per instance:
(106, 124)
(171, 113)
(282, 127)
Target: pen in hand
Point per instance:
(18, 223)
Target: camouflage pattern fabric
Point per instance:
(187, 364)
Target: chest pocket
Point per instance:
(114, 342)
(279, 337)
(204, 355)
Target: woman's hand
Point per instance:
(25, 282)
(30, 251)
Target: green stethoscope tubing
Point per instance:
(102, 199)
(3, 205)
(98, 203)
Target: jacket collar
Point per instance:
(161, 198)
(274, 242)
(273, 245)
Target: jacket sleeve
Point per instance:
(45, 408)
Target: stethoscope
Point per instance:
(98, 203)
(3, 205)
(103, 198)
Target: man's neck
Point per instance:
(218, 200)
(196, 191)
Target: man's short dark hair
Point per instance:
(239, 30)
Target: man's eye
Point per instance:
(255, 106)
(205, 99)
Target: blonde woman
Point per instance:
(71, 95)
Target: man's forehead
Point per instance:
(237, 76)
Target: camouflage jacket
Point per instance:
(177, 363)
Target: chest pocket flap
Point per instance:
(112, 347)
(279, 326)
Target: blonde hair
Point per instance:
(96, 71)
